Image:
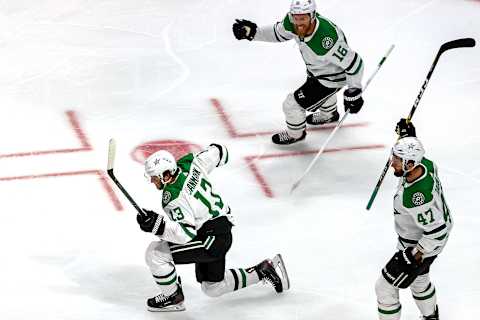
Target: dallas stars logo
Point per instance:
(157, 161)
(411, 146)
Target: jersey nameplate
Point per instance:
(194, 180)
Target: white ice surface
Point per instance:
(145, 70)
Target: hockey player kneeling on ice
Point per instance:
(329, 61)
(423, 224)
(195, 229)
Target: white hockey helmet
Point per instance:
(409, 149)
(303, 7)
(160, 162)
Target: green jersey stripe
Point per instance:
(185, 229)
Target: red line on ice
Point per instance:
(73, 120)
(85, 146)
(101, 176)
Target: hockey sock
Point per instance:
(167, 282)
(243, 277)
(426, 300)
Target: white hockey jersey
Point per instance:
(326, 53)
(422, 217)
(191, 201)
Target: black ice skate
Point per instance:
(267, 273)
(284, 138)
(163, 303)
(319, 118)
(433, 316)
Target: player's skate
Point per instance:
(320, 117)
(163, 303)
(267, 273)
(433, 316)
(284, 138)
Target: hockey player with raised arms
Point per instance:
(195, 228)
(329, 61)
(423, 224)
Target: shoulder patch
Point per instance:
(418, 198)
(327, 43)
(166, 197)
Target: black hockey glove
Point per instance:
(352, 99)
(409, 258)
(151, 222)
(402, 269)
(244, 29)
(405, 129)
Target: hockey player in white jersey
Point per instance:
(423, 224)
(329, 61)
(196, 228)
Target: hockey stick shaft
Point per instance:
(111, 159)
(459, 43)
(339, 124)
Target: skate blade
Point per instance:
(278, 262)
(173, 308)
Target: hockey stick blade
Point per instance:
(112, 147)
(459, 43)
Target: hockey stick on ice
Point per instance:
(297, 183)
(459, 43)
(111, 159)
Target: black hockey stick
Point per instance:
(459, 43)
(111, 159)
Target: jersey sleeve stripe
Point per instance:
(278, 34)
(357, 70)
(436, 230)
(353, 62)
(275, 32)
(401, 239)
(442, 237)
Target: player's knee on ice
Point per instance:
(215, 289)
